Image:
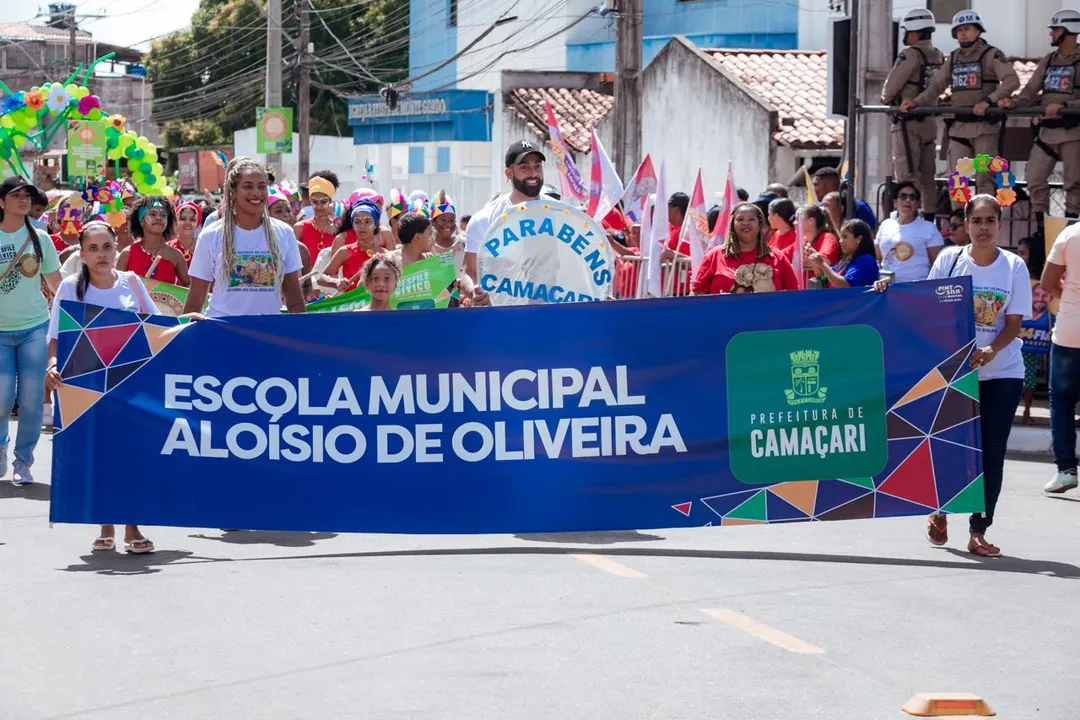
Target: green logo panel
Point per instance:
(806, 404)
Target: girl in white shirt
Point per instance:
(99, 283)
(1002, 290)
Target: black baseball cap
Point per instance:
(16, 182)
(517, 152)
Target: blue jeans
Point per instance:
(998, 400)
(1064, 393)
(23, 356)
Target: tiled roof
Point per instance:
(26, 32)
(576, 111)
(795, 82)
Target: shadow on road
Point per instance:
(36, 491)
(122, 563)
(260, 537)
(1062, 497)
(590, 538)
(969, 562)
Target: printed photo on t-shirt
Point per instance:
(755, 277)
(988, 303)
(252, 271)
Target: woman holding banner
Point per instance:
(253, 260)
(858, 262)
(744, 263)
(150, 256)
(99, 283)
(188, 220)
(363, 221)
(1002, 291)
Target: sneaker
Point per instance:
(1064, 481)
(22, 474)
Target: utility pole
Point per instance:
(628, 87)
(273, 68)
(875, 59)
(303, 94)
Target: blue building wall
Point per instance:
(431, 41)
(444, 116)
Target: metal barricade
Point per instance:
(631, 277)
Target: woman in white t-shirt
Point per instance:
(99, 283)
(1002, 290)
(907, 245)
(252, 259)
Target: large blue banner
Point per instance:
(730, 410)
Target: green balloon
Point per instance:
(151, 181)
(146, 168)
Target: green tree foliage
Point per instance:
(209, 78)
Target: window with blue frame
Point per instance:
(416, 161)
(451, 20)
(443, 160)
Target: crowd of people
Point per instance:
(266, 245)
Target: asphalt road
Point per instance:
(824, 620)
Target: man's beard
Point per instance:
(525, 187)
(968, 45)
(1056, 42)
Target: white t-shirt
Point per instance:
(476, 230)
(904, 248)
(1066, 252)
(127, 293)
(252, 287)
(1002, 288)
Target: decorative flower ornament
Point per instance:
(34, 100)
(88, 103)
(59, 99)
(12, 103)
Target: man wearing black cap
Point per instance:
(525, 171)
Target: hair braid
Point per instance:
(228, 236)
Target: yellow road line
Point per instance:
(762, 631)
(608, 565)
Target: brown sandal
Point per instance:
(937, 529)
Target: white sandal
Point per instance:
(139, 546)
(103, 544)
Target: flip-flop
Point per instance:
(983, 549)
(139, 546)
(103, 544)
(937, 530)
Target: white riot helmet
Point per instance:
(1069, 20)
(967, 17)
(918, 19)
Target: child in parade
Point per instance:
(380, 275)
(188, 221)
(153, 219)
(100, 283)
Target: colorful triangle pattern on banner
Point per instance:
(931, 423)
(99, 348)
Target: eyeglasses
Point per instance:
(907, 196)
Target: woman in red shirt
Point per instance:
(820, 233)
(744, 263)
(150, 256)
(782, 220)
(188, 221)
(349, 259)
(318, 232)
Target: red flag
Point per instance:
(638, 190)
(695, 229)
(731, 199)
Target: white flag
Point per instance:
(660, 234)
(646, 245)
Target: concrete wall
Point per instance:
(694, 116)
(432, 40)
(1018, 27)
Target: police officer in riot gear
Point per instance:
(1056, 137)
(913, 140)
(979, 76)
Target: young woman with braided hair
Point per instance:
(252, 259)
(152, 223)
